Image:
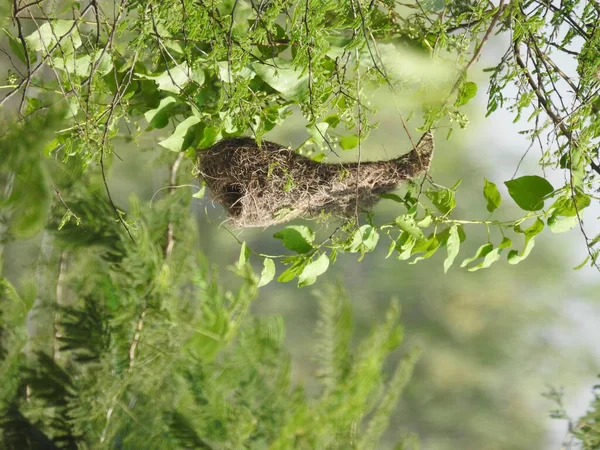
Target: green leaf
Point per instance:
(442, 199)
(15, 46)
(298, 238)
(405, 245)
(288, 275)
(244, 256)
(210, 135)
(349, 142)
(317, 132)
(299, 262)
(268, 272)
(492, 256)
(529, 191)
(45, 37)
(363, 240)
(103, 61)
(467, 92)
(201, 191)
(568, 205)
(159, 117)
(313, 270)
(75, 66)
(425, 221)
(558, 225)
(480, 253)
(428, 247)
(407, 223)
(582, 264)
(333, 120)
(337, 45)
(179, 140)
(492, 195)
(244, 73)
(452, 245)
(279, 73)
(172, 80)
(393, 197)
(513, 256)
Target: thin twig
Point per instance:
(172, 188)
(136, 338)
(479, 48)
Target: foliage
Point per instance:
(208, 72)
(137, 345)
(85, 75)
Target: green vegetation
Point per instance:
(119, 334)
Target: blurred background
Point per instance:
(494, 340)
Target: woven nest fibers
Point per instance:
(270, 184)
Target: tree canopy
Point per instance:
(83, 78)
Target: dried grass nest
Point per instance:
(269, 184)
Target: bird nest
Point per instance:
(269, 184)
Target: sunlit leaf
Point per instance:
(75, 66)
(560, 225)
(318, 132)
(244, 256)
(492, 256)
(244, 73)
(178, 140)
(405, 245)
(201, 191)
(569, 205)
(480, 253)
(172, 80)
(407, 223)
(103, 62)
(492, 195)
(582, 264)
(364, 239)
(313, 270)
(278, 73)
(349, 142)
(48, 33)
(452, 246)
(268, 272)
(467, 92)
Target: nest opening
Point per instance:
(232, 199)
(264, 185)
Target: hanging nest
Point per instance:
(270, 184)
